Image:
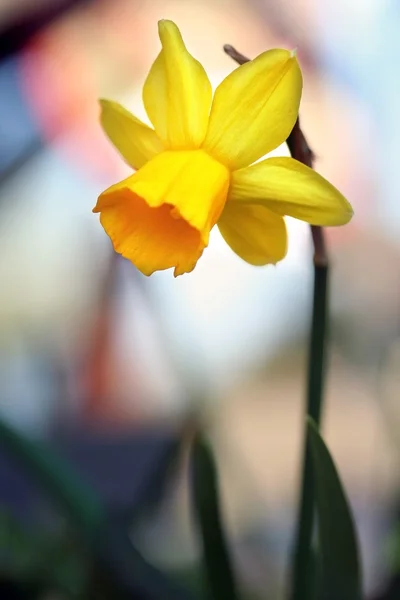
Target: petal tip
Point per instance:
(104, 106)
(348, 213)
(179, 270)
(104, 103)
(293, 53)
(98, 207)
(165, 26)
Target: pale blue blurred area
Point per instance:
(359, 45)
(226, 317)
(49, 239)
(18, 131)
(46, 224)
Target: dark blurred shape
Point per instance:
(126, 470)
(15, 34)
(118, 565)
(392, 591)
(20, 136)
(12, 590)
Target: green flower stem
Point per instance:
(302, 569)
(303, 574)
(303, 559)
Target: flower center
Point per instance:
(193, 183)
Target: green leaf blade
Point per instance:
(216, 559)
(340, 575)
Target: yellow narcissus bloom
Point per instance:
(192, 169)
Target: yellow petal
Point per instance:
(177, 92)
(254, 109)
(161, 216)
(190, 181)
(254, 233)
(288, 187)
(135, 141)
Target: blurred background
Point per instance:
(108, 365)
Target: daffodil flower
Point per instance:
(195, 169)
